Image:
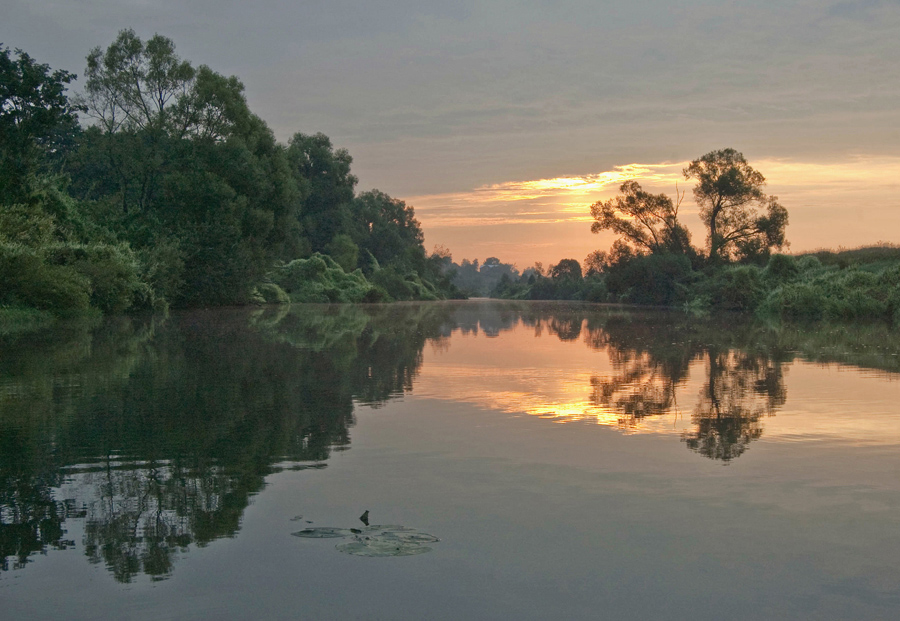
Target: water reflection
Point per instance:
(157, 433)
(154, 434)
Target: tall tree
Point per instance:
(387, 228)
(325, 175)
(36, 118)
(743, 222)
(647, 221)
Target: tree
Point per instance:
(387, 228)
(131, 84)
(35, 118)
(145, 101)
(648, 221)
(743, 222)
(567, 269)
(324, 173)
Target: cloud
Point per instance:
(537, 201)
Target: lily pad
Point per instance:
(323, 532)
(417, 538)
(375, 540)
(381, 547)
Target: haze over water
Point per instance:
(575, 461)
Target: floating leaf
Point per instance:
(323, 532)
(375, 540)
(381, 547)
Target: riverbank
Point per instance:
(837, 285)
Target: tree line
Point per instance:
(653, 262)
(157, 186)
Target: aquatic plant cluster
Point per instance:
(374, 540)
(116, 200)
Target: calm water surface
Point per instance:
(574, 461)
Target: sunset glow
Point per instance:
(525, 217)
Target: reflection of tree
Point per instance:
(30, 519)
(160, 435)
(641, 387)
(650, 360)
(740, 390)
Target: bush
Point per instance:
(319, 279)
(400, 287)
(795, 301)
(809, 263)
(781, 268)
(657, 279)
(112, 271)
(30, 281)
(738, 288)
(269, 293)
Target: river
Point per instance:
(516, 460)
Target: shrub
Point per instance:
(269, 293)
(30, 281)
(808, 263)
(781, 268)
(738, 288)
(796, 301)
(656, 279)
(319, 279)
(112, 271)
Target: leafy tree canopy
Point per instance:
(743, 222)
(648, 221)
(36, 118)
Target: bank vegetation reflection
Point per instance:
(149, 436)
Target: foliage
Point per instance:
(648, 221)
(385, 228)
(407, 286)
(269, 293)
(743, 222)
(17, 320)
(656, 279)
(319, 279)
(36, 122)
(325, 179)
(480, 279)
(31, 281)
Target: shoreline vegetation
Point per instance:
(174, 194)
(843, 285)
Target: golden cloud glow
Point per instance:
(567, 199)
(560, 199)
(848, 203)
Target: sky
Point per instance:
(501, 122)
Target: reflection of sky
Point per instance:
(521, 374)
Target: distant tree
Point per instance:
(742, 221)
(567, 269)
(647, 221)
(594, 263)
